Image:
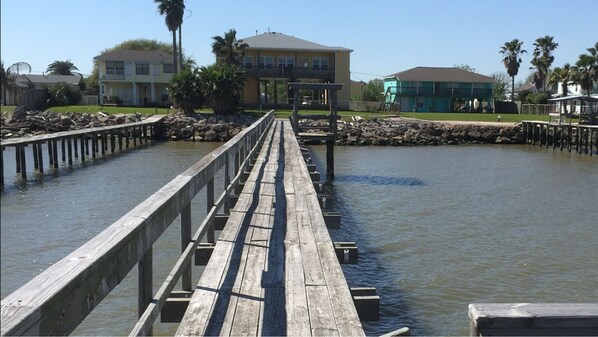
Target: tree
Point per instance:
(227, 49)
(221, 85)
(511, 60)
(542, 59)
(373, 91)
(173, 11)
(466, 67)
(594, 61)
(64, 94)
(563, 75)
(185, 87)
(61, 68)
(499, 87)
(583, 72)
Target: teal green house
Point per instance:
(437, 89)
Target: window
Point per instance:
(115, 68)
(320, 63)
(302, 63)
(248, 62)
(168, 68)
(286, 62)
(265, 62)
(142, 68)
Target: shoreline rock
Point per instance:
(407, 132)
(219, 128)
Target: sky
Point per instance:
(386, 36)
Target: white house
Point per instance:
(134, 77)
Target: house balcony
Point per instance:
(289, 72)
(113, 77)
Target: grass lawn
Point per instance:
(345, 115)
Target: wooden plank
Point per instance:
(247, 315)
(320, 312)
(206, 293)
(343, 308)
(298, 322)
(535, 318)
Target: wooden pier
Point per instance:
(76, 145)
(582, 139)
(273, 270)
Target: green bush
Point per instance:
(62, 94)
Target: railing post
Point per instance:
(63, 148)
(209, 204)
(226, 182)
(185, 240)
(145, 291)
(55, 153)
(70, 150)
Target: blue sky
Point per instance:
(386, 36)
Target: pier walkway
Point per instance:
(273, 270)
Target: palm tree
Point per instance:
(594, 54)
(511, 51)
(563, 75)
(228, 49)
(173, 16)
(61, 68)
(584, 72)
(542, 59)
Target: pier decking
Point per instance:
(273, 269)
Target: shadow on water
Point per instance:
(395, 312)
(379, 180)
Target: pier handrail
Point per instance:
(60, 298)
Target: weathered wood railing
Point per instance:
(102, 138)
(59, 299)
(533, 319)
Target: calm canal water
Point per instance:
(437, 227)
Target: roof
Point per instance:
(441, 74)
(47, 79)
(135, 55)
(274, 40)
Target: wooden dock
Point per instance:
(582, 139)
(75, 145)
(272, 271)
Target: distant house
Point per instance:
(272, 60)
(134, 77)
(437, 89)
(30, 90)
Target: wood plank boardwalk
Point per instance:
(274, 270)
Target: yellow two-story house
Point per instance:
(272, 60)
(135, 77)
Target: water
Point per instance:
(441, 227)
(437, 227)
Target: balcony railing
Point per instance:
(112, 77)
(297, 72)
(465, 92)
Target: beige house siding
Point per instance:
(292, 60)
(136, 81)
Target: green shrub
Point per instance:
(61, 94)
